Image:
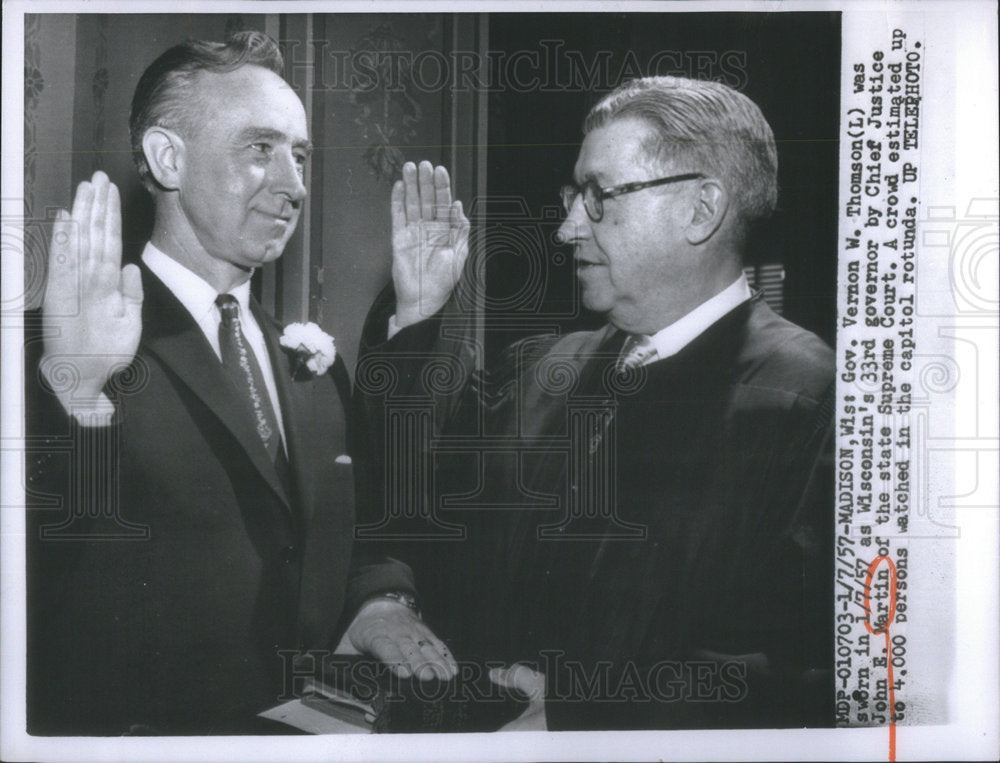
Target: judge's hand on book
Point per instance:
(394, 634)
(530, 683)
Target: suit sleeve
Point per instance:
(71, 471)
(370, 572)
(71, 476)
(409, 389)
(419, 378)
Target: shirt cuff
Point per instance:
(394, 328)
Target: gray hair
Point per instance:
(719, 130)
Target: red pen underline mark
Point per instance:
(884, 628)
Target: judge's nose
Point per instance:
(576, 226)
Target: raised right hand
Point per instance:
(430, 242)
(92, 309)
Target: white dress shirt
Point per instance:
(198, 298)
(675, 337)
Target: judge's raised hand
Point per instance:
(430, 242)
(92, 309)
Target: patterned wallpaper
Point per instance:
(80, 73)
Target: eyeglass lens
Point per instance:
(592, 202)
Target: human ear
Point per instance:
(709, 210)
(164, 151)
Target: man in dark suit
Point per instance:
(653, 524)
(207, 498)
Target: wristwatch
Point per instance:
(406, 599)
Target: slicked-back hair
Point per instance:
(164, 96)
(702, 127)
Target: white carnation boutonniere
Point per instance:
(313, 347)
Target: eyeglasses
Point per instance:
(594, 195)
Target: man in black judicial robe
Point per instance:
(659, 543)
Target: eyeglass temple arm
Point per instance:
(618, 190)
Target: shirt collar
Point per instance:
(193, 291)
(672, 339)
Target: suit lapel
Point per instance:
(172, 335)
(296, 405)
(312, 421)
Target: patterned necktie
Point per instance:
(638, 349)
(242, 367)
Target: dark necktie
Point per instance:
(242, 367)
(637, 350)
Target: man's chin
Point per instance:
(269, 252)
(596, 303)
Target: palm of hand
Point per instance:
(430, 241)
(429, 251)
(91, 312)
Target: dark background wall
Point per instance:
(789, 64)
(510, 135)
